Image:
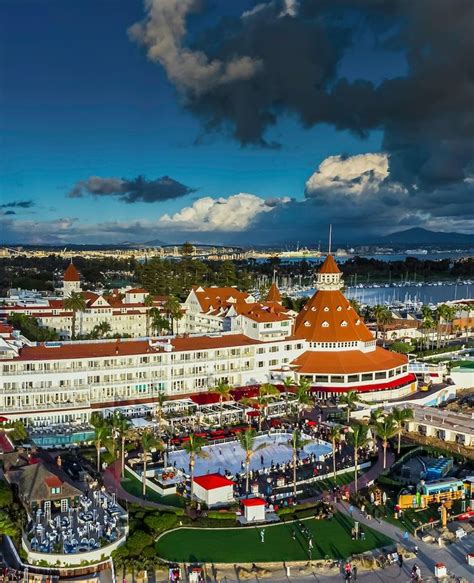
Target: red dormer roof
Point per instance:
(212, 481)
(53, 482)
(253, 502)
(274, 294)
(136, 290)
(71, 273)
(329, 266)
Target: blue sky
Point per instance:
(80, 99)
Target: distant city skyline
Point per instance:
(234, 122)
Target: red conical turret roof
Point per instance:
(71, 273)
(329, 266)
(274, 294)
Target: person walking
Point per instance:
(354, 572)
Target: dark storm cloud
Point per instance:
(293, 55)
(22, 204)
(138, 189)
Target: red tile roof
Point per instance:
(329, 317)
(53, 482)
(348, 361)
(71, 273)
(218, 297)
(253, 502)
(274, 294)
(329, 266)
(72, 350)
(212, 481)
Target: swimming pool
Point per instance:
(50, 440)
(230, 456)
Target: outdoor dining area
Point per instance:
(94, 521)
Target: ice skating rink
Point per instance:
(230, 456)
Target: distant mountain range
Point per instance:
(420, 236)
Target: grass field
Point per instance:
(134, 486)
(330, 539)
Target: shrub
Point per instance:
(137, 541)
(161, 521)
(215, 514)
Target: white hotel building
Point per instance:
(328, 344)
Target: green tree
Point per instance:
(303, 395)
(289, 384)
(355, 304)
(75, 303)
(160, 401)
(427, 323)
(335, 433)
(385, 428)
(173, 310)
(382, 316)
(400, 417)
(296, 443)
(122, 430)
(266, 393)
(193, 447)
(101, 434)
(148, 441)
(350, 399)
(158, 321)
(357, 437)
(247, 443)
(7, 526)
(148, 303)
(222, 389)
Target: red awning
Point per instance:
(311, 423)
(409, 378)
(3, 419)
(253, 413)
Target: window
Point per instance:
(380, 375)
(326, 309)
(367, 376)
(325, 324)
(321, 378)
(337, 379)
(353, 378)
(343, 324)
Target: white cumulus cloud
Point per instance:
(235, 213)
(358, 175)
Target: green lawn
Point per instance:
(463, 364)
(330, 538)
(134, 486)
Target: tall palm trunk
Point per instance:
(295, 457)
(122, 457)
(98, 444)
(399, 444)
(144, 475)
(247, 477)
(191, 473)
(73, 325)
(384, 443)
(356, 464)
(221, 407)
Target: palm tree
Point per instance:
(355, 305)
(121, 427)
(400, 416)
(427, 322)
(160, 401)
(375, 415)
(386, 318)
(378, 312)
(148, 441)
(101, 434)
(148, 303)
(357, 437)
(223, 390)
(158, 321)
(173, 310)
(303, 395)
(289, 384)
(351, 398)
(266, 393)
(335, 434)
(194, 447)
(297, 443)
(76, 303)
(385, 428)
(103, 328)
(247, 443)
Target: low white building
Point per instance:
(254, 510)
(214, 490)
(442, 424)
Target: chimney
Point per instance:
(59, 461)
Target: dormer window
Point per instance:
(343, 323)
(326, 309)
(325, 324)
(357, 322)
(349, 307)
(339, 309)
(313, 309)
(56, 490)
(307, 323)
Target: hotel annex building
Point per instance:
(328, 343)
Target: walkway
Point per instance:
(111, 478)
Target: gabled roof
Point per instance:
(213, 481)
(34, 483)
(274, 294)
(212, 298)
(71, 273)
(329, 266)
(329, 317)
